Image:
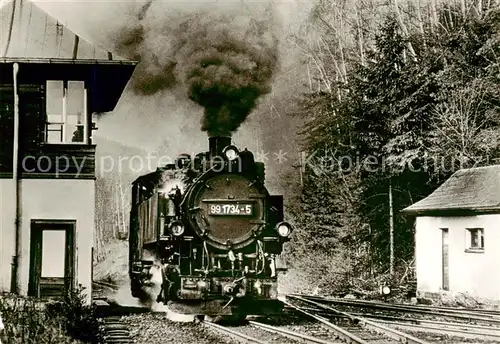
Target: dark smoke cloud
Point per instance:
(224, 59)
(152, 75)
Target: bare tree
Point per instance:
(465, 131)
(112, 210)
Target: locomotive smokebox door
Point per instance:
(227, 213)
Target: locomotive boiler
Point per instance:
(215, 228)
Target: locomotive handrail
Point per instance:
(223, 255)
(226, 200)
(261, 251)
(195, 182)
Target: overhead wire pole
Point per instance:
(391, 228)
(16, 259)
(16, 275)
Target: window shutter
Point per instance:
(32, 117)
(6, 127)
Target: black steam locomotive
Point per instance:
(216, 230)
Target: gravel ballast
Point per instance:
(153, 328)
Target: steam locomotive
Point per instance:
(216, 230)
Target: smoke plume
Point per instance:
(221, 55)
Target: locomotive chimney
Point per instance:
(217, 144)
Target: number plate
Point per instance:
(230, 209)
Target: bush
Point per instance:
(25, 322)
(79, 319)
(64, 321)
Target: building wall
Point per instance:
(50, 199)
(7, 230)
(472, 273)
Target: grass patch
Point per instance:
(67, 320)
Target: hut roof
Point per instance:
(474, 189)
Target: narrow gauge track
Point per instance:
(390, 320)
(256, 332)
(358, 330)
(408, 322)
(488, 316)
(290, 334)
(476, 332)
(281, 335)
(284, 335)
(115, 331)
(455, 329)
(234, 333)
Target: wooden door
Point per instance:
(445, 259)
(51, 258)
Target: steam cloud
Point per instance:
(221, 55)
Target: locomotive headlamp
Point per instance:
(284, 229)
(230, 152)
(176, 228)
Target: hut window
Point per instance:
(475, 238)
(66, 112)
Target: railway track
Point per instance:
(115, 331)
(471, 332)
(357, 329)
(352, 330)
(489, 316)
(350, 333)
(489, 329)
(257, 332)
(329, 326)
(290, 334)
(234, 333)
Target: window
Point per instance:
(66, 104)
(475, 239)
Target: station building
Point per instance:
(51, 82)
(457, 231)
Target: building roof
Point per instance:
(28, 32)
(45, 49)
(468, 190)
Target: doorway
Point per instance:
(445, 259)
(51, 257)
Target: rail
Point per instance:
(463, 330)
(340, 332)
(437, 311)
(368, 324)
(287, 333)
(234, 333)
